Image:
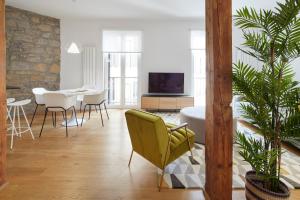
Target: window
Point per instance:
(121, 55)
(198, 66)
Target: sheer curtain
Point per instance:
(198, 66)
(122, 41)
(198, 40)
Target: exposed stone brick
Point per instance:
(33, 53)
(45, 27)
(54, 69)
(35, 19)
(41, 67)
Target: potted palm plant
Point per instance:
(269, 92)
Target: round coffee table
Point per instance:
(195, 117)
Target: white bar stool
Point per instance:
(16, 110)
(8, 109)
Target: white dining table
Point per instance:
(75, 92)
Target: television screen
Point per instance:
(172, 83)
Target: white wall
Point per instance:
(296, 65)
(166, 47)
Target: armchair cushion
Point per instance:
(178, 142)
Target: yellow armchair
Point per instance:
(156, 141)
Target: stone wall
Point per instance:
(32, 54)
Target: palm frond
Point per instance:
(249, 18)
(258, 45)
(285, 13)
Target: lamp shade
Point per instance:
(73, 48)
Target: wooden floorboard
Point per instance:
(90, 164)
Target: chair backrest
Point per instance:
(95, 98)
(38, 93)
(149, 135)
(56, 99)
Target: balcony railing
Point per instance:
(115, 90)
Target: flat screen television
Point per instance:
(166, 83)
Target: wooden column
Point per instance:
(218, 153)
(2, 94)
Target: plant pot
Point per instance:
(254, 190)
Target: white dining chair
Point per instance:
(96, 99)
(58, 102)
(18, 129)
(80, 97)
(39, 99)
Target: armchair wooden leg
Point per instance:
(130, 158)
(164, 165)
(161, 180)
(189, 143)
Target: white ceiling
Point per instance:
(144, 9)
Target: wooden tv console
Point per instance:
(164, 102)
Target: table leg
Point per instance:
(72, 121)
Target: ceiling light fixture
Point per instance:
(73, 48)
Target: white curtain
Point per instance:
(198, 39)
(122, 41)
(198, 66)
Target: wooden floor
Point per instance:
(90, 164)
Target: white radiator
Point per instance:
(89, 70)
